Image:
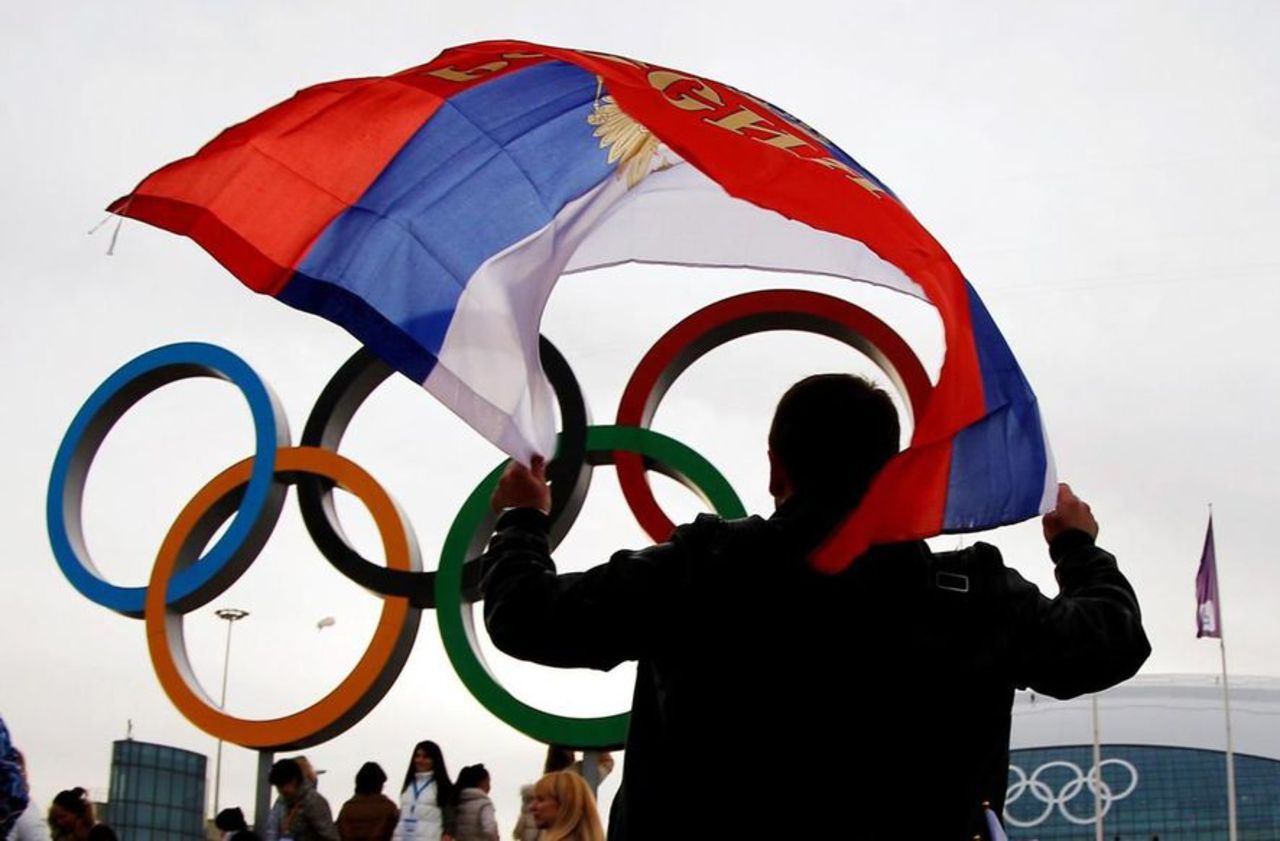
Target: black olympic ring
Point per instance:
(569, 472)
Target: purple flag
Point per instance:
(995, 832)
(1208, 617)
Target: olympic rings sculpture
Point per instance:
(1072, 788)
(188, 574)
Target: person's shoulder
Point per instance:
(313, 799)
(976, 569)
(710, 532)
(715, 552)
(711, 542)
(979, 557)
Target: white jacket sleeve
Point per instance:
(488, 822)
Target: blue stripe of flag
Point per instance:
(998, 464)
(493, 165)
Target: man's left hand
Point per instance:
(1072, 512)
(523, 487)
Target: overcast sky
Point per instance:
(1105, 174)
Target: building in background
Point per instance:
(1163, 762)
(157, 792)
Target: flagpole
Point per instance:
(1211, 552)
(1230, 748)
(1231, 754)
(1097, 770)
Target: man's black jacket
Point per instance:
(775, 701)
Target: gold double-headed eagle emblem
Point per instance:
(631, 146)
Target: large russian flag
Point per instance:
(431, 212)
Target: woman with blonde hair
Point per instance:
(564, 808)
(559, 758)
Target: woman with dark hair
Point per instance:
(476, 821)
(559, 758)
(233, 825)
(71, 818)
(369, 815)
(272, 828)
(427, 799)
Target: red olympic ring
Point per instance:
(732, 318)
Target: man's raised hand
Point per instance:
(523, 487)
(1072, 513)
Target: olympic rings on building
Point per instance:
(733, 318)
(378, 668)
(259, 508)
(1074, 786)
(254, 490)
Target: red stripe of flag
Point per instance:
(258, 195)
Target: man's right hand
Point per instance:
(523, 487)
(1071, 513)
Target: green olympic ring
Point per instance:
(470, 531)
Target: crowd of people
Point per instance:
(433, 805)
(71, 816)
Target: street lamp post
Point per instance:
(231, 615)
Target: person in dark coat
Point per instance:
(370, 815)
(233, 825)
(306, 812)
(890, 684)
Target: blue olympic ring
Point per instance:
(256, 513)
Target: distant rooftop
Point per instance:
(1182, 710)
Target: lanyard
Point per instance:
(417, 792)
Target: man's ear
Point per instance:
(779, 482)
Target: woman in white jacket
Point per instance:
(427, 799)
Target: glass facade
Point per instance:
(157, 792)
(1148, 792)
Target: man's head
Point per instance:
(831, 434)
(286, 776)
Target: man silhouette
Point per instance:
(774, 701)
